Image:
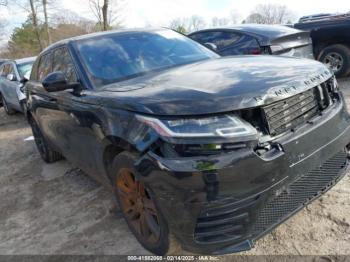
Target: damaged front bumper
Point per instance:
(222, 203)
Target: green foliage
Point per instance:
(24, 41)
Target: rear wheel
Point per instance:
(139, 208)
(7, 108)
(337, 58)
(46, 153)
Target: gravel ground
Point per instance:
(56, 209)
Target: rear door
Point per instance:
(64, 117)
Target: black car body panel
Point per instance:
(326, 32)
(221, 85)
(272, 39)
(330, 40)
(215, 199)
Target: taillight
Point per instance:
(256, 52)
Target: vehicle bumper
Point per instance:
(242, 196)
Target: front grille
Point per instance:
(300, 192)
(291, 112)
(224, 220)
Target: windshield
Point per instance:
(116, 57)
(25, 69)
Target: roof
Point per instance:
(270, 31)
(25, 60)
(92, 35)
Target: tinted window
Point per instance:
(246, 45)
(44, 67)
(115, 57)
(62, 62)
(219, 38)
(34, 73)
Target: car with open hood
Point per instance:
(208, 151)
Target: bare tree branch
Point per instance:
(270, 14)
(46, 22)
(107, 12)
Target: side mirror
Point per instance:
(24, 80)
(11, 77)
(57, 81)
(211, 46)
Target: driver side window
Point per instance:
(62, 62)
(44, 67)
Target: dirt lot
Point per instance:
(56, 209)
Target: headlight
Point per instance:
(227, 126)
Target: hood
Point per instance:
(215, 85)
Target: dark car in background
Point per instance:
(331, 40)
(13, 74)
(254, 39)
(211, 151)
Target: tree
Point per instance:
(107, 13)
(216, 21)
(44, 2)
(179, 25)
(23, 41)
(3, 24)
(270, 14)
(196, 23)
(35, 21)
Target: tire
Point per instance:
(7, 108)
(337, 58)
(46, 153)
(24, 109)
(159, 243)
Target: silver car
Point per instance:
(13, 74)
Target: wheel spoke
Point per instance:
(149, 206)
(152, 224)
(138, 207)
(144, 226)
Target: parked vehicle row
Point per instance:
(209, 151)
(324, 37)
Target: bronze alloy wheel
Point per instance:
(138, 207)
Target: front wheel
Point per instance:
(46, 153)
(337, 58)
(139, 207)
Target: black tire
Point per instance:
(46, 153)
(337, 57)
(7, 108)
(166, 243)
(24, 108)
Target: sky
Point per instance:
(141, 13)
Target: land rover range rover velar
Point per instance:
(212, 152)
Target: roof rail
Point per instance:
(324, 17)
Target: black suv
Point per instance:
(208, 151)
(331, 40)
